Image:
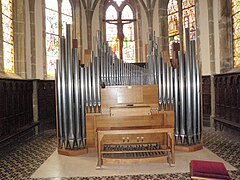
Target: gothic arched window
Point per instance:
(188, 19)
(173, 23)
(188, 13)
(7, 28)
(236, 32)
(119, 18)
(53, 30)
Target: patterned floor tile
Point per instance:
(22, 160)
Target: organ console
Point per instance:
(125, 112)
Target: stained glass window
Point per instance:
(52, 36)
(188, 13)
(120, 30)
(236, 31)
(66, 15)
(52, 30)
(128, 31)
(173, 23)
(8, 48)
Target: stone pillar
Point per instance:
(225, 35)
(212, 57)
(163, 25)
(138, 32)
(19, 38)
(77, 30)
(32, 35)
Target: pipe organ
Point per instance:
(110, 94)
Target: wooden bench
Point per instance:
(223, 122)
(20, 131)
(135, 145)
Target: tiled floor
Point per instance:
(21, 161)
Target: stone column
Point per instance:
(19, 38)
(163, 25)
(32, 35)
(225, 35)
(212, 58)
(77, 30)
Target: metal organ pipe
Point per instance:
(194, 91)
(59, 102)
(178, 88)
(188, 89)
(64, 86)
(70, 87)
(182, 98)
(76, 91)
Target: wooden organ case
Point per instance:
(130, 127)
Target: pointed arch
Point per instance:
(120, 29)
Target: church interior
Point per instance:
(120, 89)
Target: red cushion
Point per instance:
(208, 169)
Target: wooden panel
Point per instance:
(46, 104)
(90, 126)
(16, 107)
(227, 95)
(115, 96)
(206, 96)
(130, 111)
(130, 95)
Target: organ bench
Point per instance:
(132, 145)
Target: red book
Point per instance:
(208, 170)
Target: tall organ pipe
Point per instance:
(164, 83)
(64, 92)
(94, 94)
(176, 104)
(194, 91)
(182, 97)
(168, 86)
(171, 88)
(188, 89)
(59, 102)
(198, 101)
(70, 87)
(159, 82)
(78, 135)
(83, 89)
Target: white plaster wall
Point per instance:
(28, 41)
(39, 39)
(84, 30)
(204, 37)
(216, 15)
